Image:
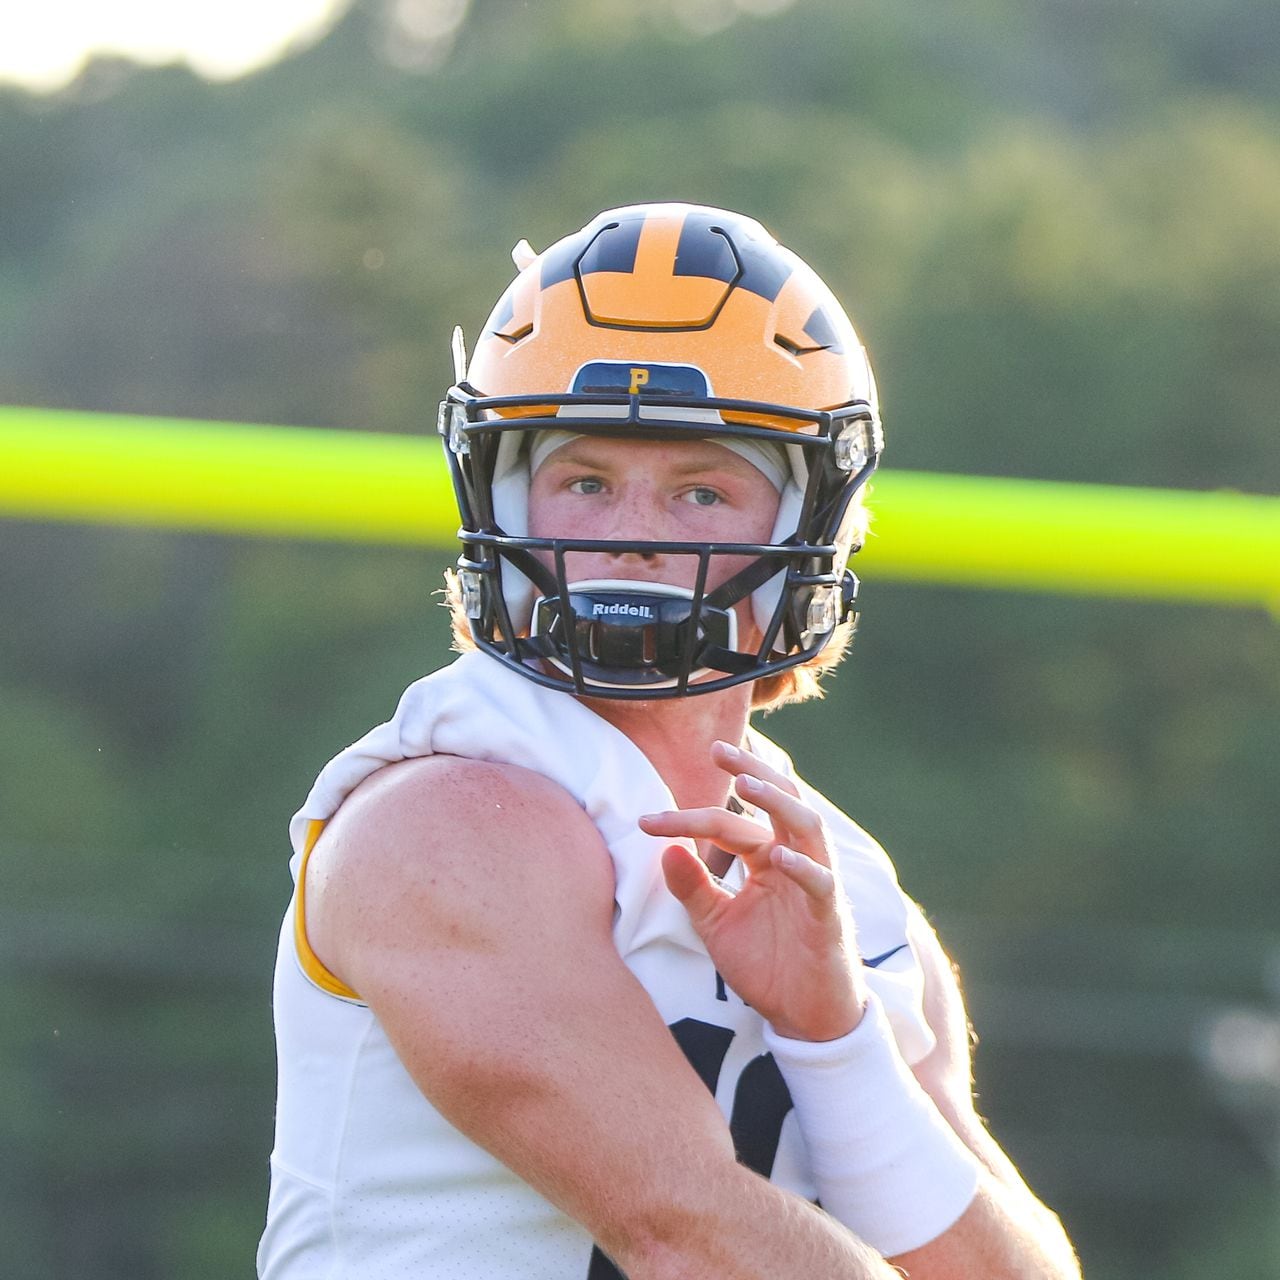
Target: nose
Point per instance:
(637, 515)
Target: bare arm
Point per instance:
(470, 904)
(786, 944)
(1007, 1231)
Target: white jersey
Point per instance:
(368, 1180)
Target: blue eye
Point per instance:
(703, 497)
(586, 484)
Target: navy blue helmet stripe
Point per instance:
(614, 249)
(559, 261)
(709, 247)
(764, 269)
(823, 331)
(704, 250)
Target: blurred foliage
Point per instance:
(1057, 228)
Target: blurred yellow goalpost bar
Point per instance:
(297, 482)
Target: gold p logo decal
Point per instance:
(638, 378)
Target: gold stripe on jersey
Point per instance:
(311, 964)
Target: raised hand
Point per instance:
(785, 941)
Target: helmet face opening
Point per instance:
(603, 324)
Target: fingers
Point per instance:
(738, 762)
(702, 897)
(816, 880)
(765, 788)
(793, 821)
(762, 788)
(691, 883)
(729, 831)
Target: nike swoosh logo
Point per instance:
(876, 961)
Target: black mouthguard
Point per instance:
(630, 637)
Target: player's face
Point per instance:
(650, 491)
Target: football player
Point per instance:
(580, 979)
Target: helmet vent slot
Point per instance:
(518, 335)
(794, 348)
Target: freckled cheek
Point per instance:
(545, 518)
(545, 502)
(570, 515)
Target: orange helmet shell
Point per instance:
(675, 284)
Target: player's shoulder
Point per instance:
(453, 785)
(423, 816)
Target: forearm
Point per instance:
(894, 1169)
(1007, 1231)
(746, 1229)
(1005, 1234)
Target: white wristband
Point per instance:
(885, 1162)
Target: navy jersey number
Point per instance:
(760, 1105)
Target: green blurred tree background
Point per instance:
(1058, 226)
